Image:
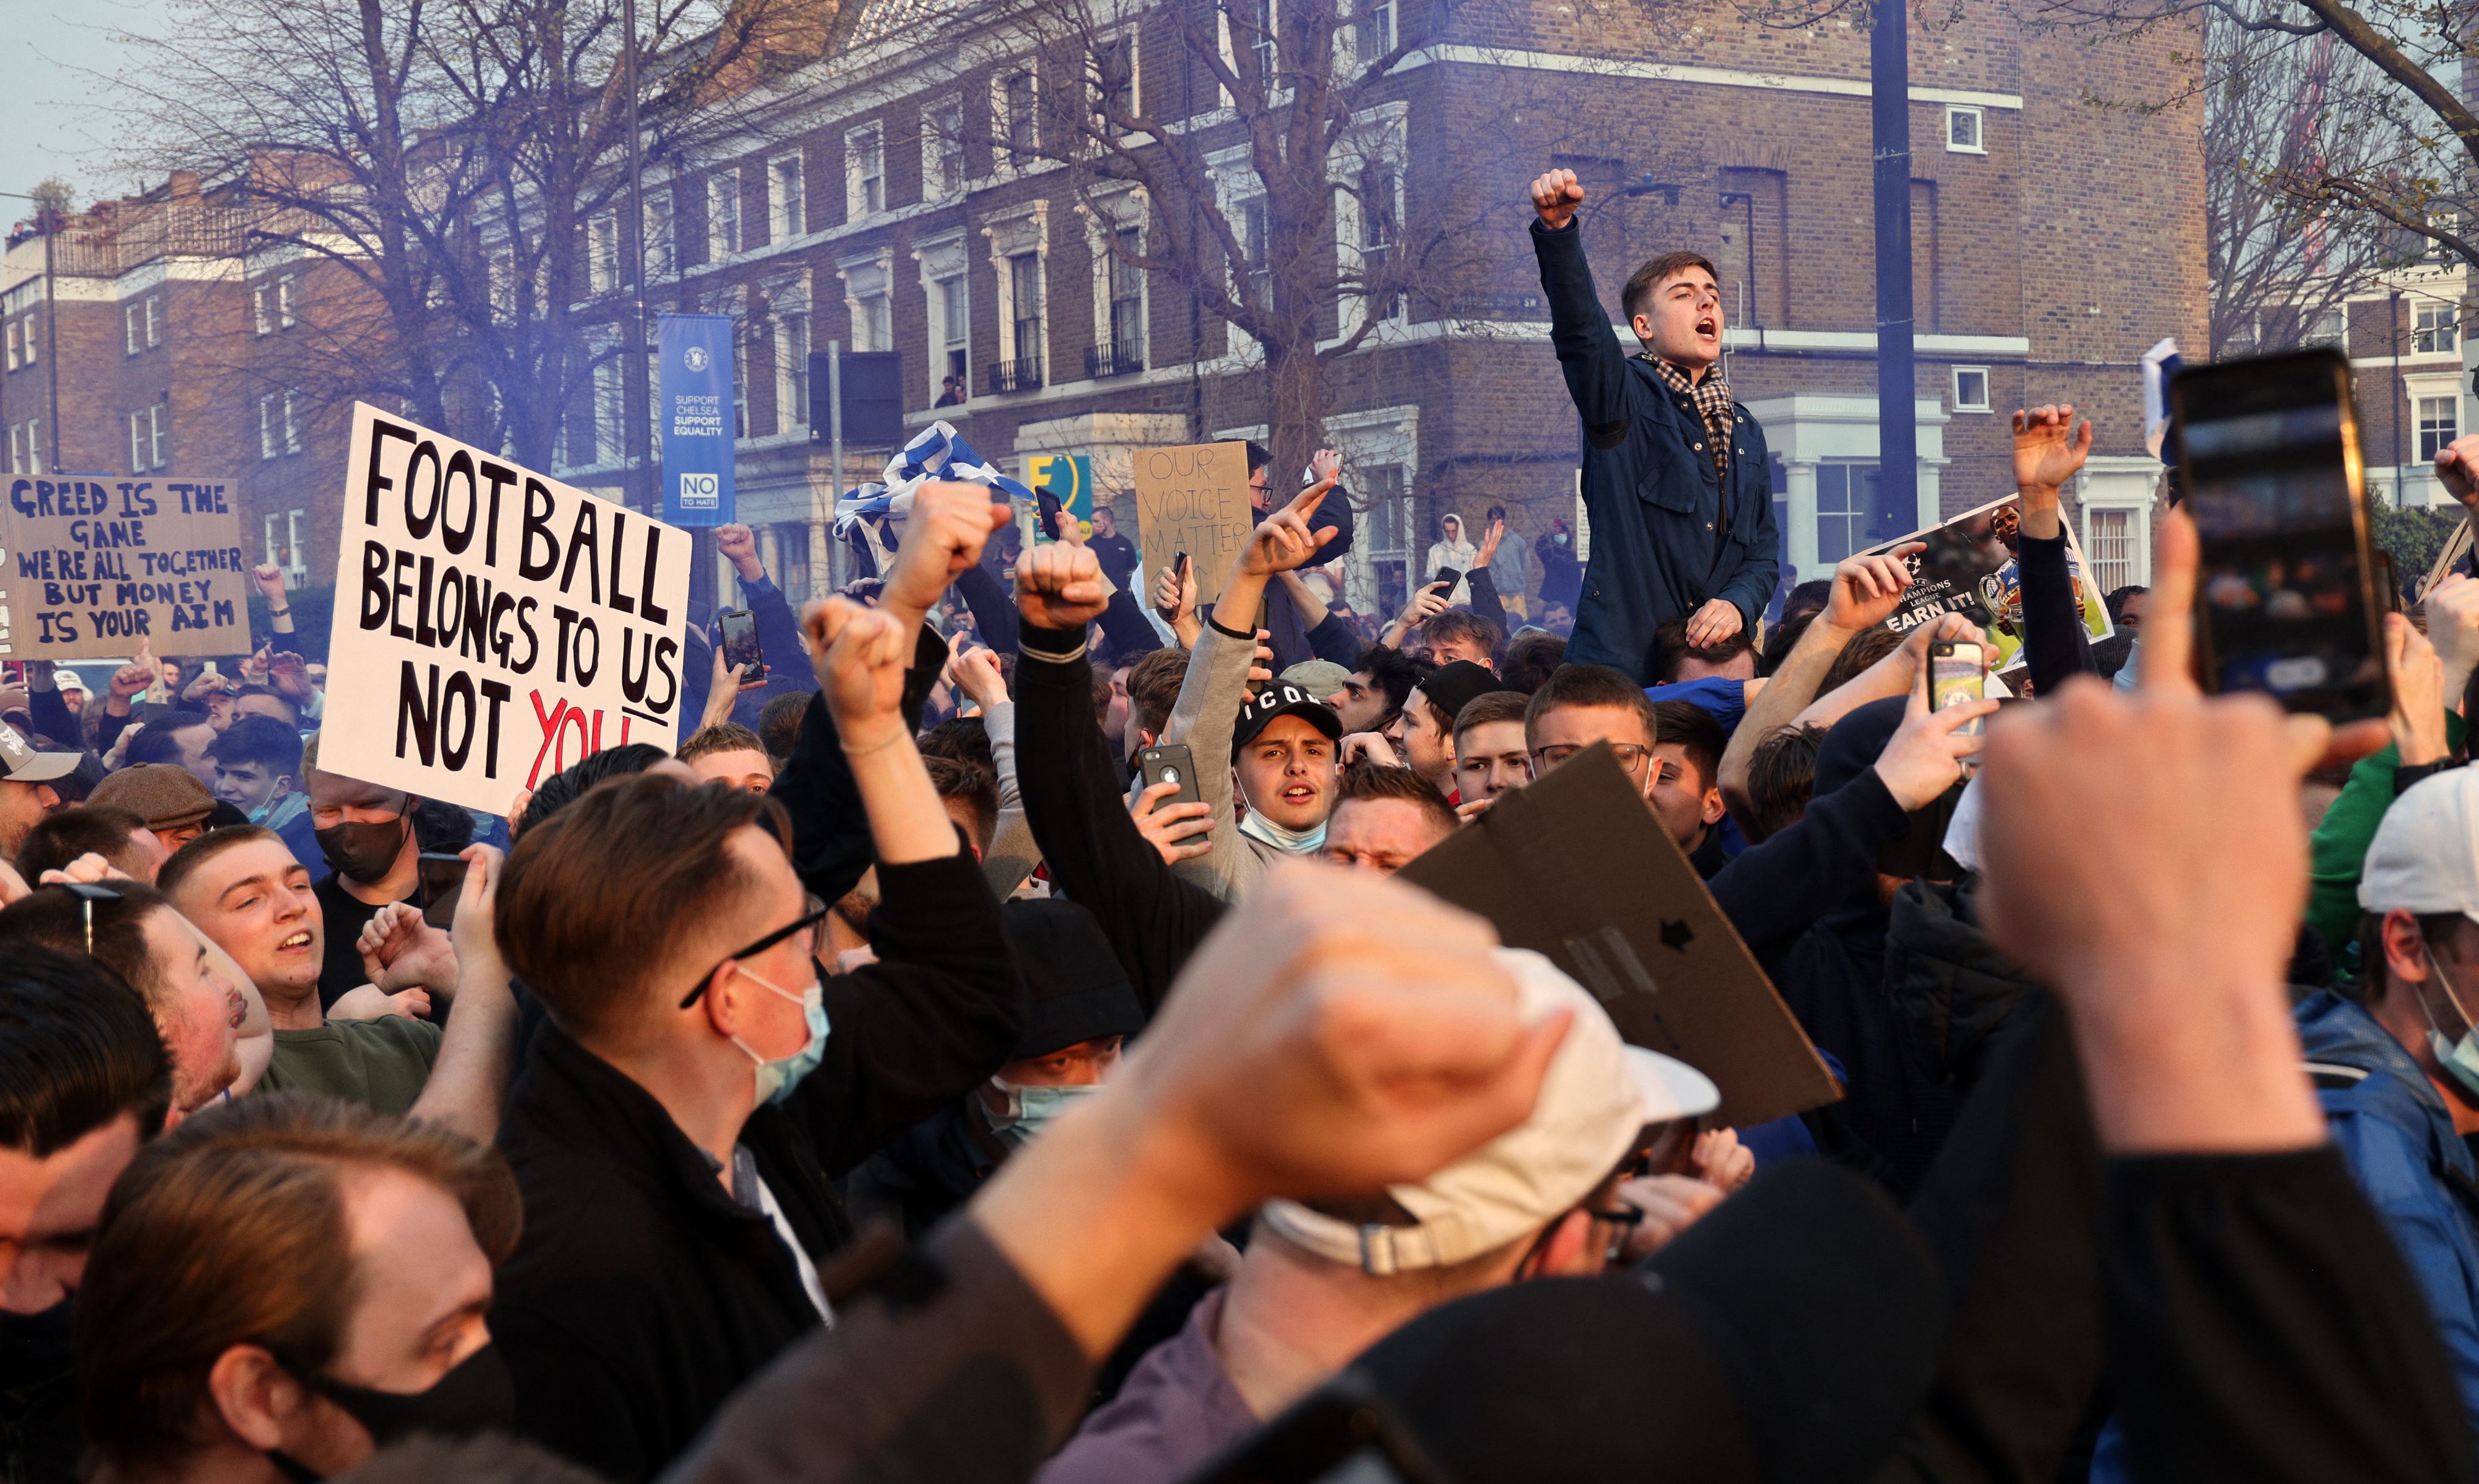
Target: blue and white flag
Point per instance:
(865, 517)
(697, 419)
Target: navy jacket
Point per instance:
(1652, 491)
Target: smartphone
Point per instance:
(1182, 560)
(1047, 503)
(2388, 582)
(1341, 1433)
(1172, 763)
(1958, 672)
(443, 880)
(1450, 576)
(2268, 449)
(740, 651)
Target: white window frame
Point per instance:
(610, 408)
(2450, 427)
(1266, 46)
(287, 301)
(154, 307)
(662, 235)
(787, 198)
(722, 195)
(130, 332)
(942, 147)
(1006, 160)
(1104, 223)
(1125, 36)
(292, 424)
(33, 342)
(869, 298)
(1026, 230)
(1960, 404)
(602, 252)
(942, 260)
(864, 170)
(17, 449)
(262, 307)
(1385, 15)
(792, 342)
(1978, 117)
(267, 442)
(2440, 335)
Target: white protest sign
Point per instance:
(492, 625)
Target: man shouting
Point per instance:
(1674, 471)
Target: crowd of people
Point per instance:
(892, 1081)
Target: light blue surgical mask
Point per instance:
(2459, 1059)
(777, 1078)
(1029, 1109)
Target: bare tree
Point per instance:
(1274, 175)
(448, 155)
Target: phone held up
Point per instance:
(1171, 763)
(738, 629)
(1957, 673)
(443, 880)
(2286, 599)
(1447, 576)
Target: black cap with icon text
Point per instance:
(1284, 698)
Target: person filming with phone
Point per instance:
(1674, 471)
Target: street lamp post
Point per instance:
(1889, 114)
(636, 392)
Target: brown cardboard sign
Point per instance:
(1577, 868)
(91, 568)
(1193, 498)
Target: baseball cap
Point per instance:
(1284, 698)
(20, 763)
(2425, 855)
(1319, 678)
(1075, 988)
(68, 679)
(164, 796)
(1597, 1097)
(1451, 687)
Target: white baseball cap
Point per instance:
(1597, 1097)
(68, 679)
(20, 763)
(2425, 855)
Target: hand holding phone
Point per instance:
(1171, 763)
(1957, 673)
(1447, 576)
(443, 880)
(737, 629)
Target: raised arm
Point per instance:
(477, 1051)
(2048, 448)
(1866, 590)
(1589, 353)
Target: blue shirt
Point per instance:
(1726, 699)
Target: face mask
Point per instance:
(2459, 1058)
(1560, 538)
(363, 850)
(476, 1397)
(1031, 1110)
(776, 1079)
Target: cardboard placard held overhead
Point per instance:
(1194, 499)
(89, 567)
(492, 625)
(1970, 566)
(1577, 868)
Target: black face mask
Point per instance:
(477, 1397)
(363, 850)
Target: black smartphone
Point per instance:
(1341, 1433)
(1172, 763)
(1182, 560)
(2268, 450)
(1450, 576)
(738, 629)
(443, 880)
(2388, 580)
(1047, 503)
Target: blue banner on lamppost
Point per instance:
(697, 419)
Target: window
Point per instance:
(602, 252)
(32, 343)
(288, 301)
(950, 334)
(270, 431)
(284, 551)
(1022, 368)
(503, 270)
(2112, 547)
(1020, 98)
(1971, 389)
(13, 337)
(2332, 327)
(864, 171)
(1253, 245)
(792, 371)
(2435, 328)
(792, 558)
(133, 329)
(942, 148)
(873, 322)
(291, 429)
(1374, 36)
(153, 304)
(610, 410)
(721, 214)
(739, 383)
(2440, 419)
(1963, 132)
(662, 244)
(17, 449)
(150, 438)
(788, 198)
(1114, 81)
(1128, 302)
(1379, 193)
(1262, 16)
(1846, 502)
(262, 308)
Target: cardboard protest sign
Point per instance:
(492, 625)
(90, 567)
(1194, 499)
(1577, 868)
(1970, 568)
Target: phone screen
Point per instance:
(1048, 503)
(443, 880)
(1956, 673)
(739, 630)
(2270, 450)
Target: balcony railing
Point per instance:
(1019, 376)
(1114, 360)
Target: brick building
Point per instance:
(2411, 362)
(178, 350)
(2054, 241)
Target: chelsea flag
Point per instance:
(697, 419)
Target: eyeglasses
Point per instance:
(89, 894)
(813, 912)
(1631, 756)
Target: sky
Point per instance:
(49, 121)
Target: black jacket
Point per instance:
(641, 1295)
